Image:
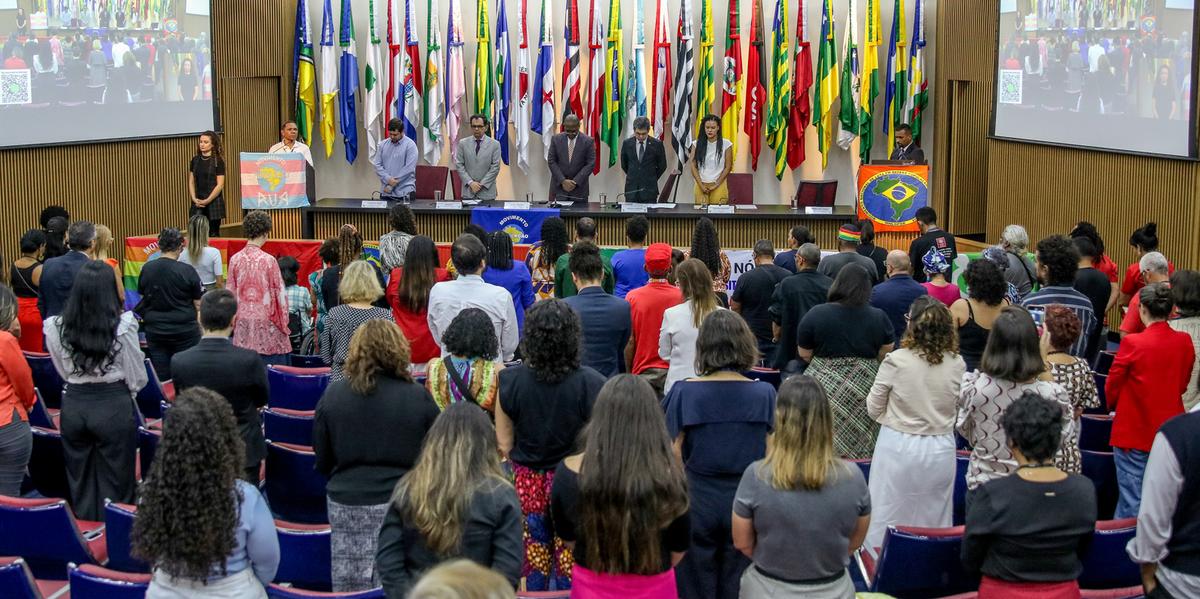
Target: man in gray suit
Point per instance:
(571, 158)
(478, 161)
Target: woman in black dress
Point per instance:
(206, 181)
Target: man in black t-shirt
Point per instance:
(752, 297)
(931, 236)
(170, 292)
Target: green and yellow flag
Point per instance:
(485, 75)
(872, 41)
(705, 89)
(779, 92)
(305, 75)
(614, 87)
(827, 85)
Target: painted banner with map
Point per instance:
(890, 195)
(273, 181)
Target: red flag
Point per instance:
(801, 104)
(756, 92)
(660, 87)
(394, 42)
(595, 79)
(571, 71)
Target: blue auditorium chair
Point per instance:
(919, 563)
(48, 464)
(118, 528)
(93, 582)
(17, 582)
(280, 592)
(1106, 564)
(294, 489)
(46, 378)
(1095, 432)
(296, 388)
(156, 393)
(48, 536)
(288, 426)
(305, 559)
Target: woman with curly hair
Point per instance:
(254, 278)
(367, 433)
(622, 504)
(913, 399)
(987, 295)
(681, 324)
(544, 404)
(95, 349)
(455, 503)
(394, 244)
(1062, 329)
(408, 295)
(358, 290)
(706, 247)
(350, 250)
(230, 548)
(470, 372)
(544, 254)
(512, 275)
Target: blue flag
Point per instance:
(503, 81)
(542, 119)
(348, 84)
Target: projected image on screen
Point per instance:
(1108, 74)
(87, 70)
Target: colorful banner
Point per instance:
(273, 181)
(523, 226)
(891, 195)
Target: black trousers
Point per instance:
(99, 433)
(712, 568)
(160, 349)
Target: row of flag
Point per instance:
(776, 96)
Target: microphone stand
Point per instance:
(554, 202)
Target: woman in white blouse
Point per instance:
(201, 256)
(681, 324)
(712, 161)
(913, 399)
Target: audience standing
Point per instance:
(170, 293)
(681, 323)
(237, 374)
(792, 300)
(585, 232)
(367, 434)
(408, 294)
(254, 279)
(455, 502)
(849, 238)
(913, 399)
(58, 274)
(230, 548)
(544, 404)
(1145, 388)
(996, 255)
(1057, 262)
(1154, 269)
(1027, 532)
(1061, 329)
(201, 256)
(719, 422)
(511, 275)
(647, 306)
(937, 283)
(932, 236)
(867, 247)
(843, 341)
(543, 256)
(299, 300)
(470, 373)
(706, 247)
(752, 297)
(1185, 291)
(25, 275)
(17, 397)
(798, 236)
(329, 253)
(801, 490)
(469, 290)
(896, 294)
(604, 317)
(1020, 270)
(1104, 264)
(350, 250)
(394, 244)
(1144, 240)
(358, 290)
(628, 264)
(1096, 286)
(56, 236)
(622, 504)
(94, 347)
(976, 314)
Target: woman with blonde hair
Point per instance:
(914, 401)
(367, 433)
(201, 256)
(455, 502)
(801, 490)
(104, 241)
(681, 324)
(358, 290)
(462, 579)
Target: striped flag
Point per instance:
(485, 76)
(731, 81)
(572, 103)
(827, 84)
(613, 80)
(681, 121)
(521, 126)
(705, 85)
(918, 86)
(503, 80)
(851, 83)
(595, 79)
(393, 96)
(873, 39)
(373, 104)
(897, 78)
(779, 92)
(635, 80)
(410, 98)
(660, 100)
(756, 92)
(542, 121)
(304, 74)
(433, 109)
(329, 81)
(456, 84)
(348, 84)
(800, 114)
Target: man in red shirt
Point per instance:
(1153, 268)
(646, 307)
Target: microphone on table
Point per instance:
(625, 194)
(555, 204)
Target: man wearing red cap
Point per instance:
(646, 307)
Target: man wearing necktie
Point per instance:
(644, 160)
(906, 149)
(571, 158)
(477, 161)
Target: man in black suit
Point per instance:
(571, 158)
(644, 161)
(58, 274)
(237, 374)
(906, 149)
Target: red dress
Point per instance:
(414, 325)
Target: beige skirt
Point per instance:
(243, 585)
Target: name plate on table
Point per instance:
(448, 206)
(818, 209)
(661, 206)
(633, 207)
(517, 206)
(726, 209)
(374, 204)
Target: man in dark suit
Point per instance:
(58, 274)
(906, 149)
(236, 373)
(644, 161)
(793, 298)
(605, 317)
(571, 158)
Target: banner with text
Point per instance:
(523, 226)
(273, 181)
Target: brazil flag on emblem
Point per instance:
(891, 195)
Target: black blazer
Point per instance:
(58, 276)
(643, 175)
(577, 169)
(238, 375)
(913, 153)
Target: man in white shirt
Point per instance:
(449, 298)
(290, 134)
(1095, 51)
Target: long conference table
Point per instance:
(671, 224)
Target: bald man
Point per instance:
(571, 158)
(896, 295)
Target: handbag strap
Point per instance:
(463, 388)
